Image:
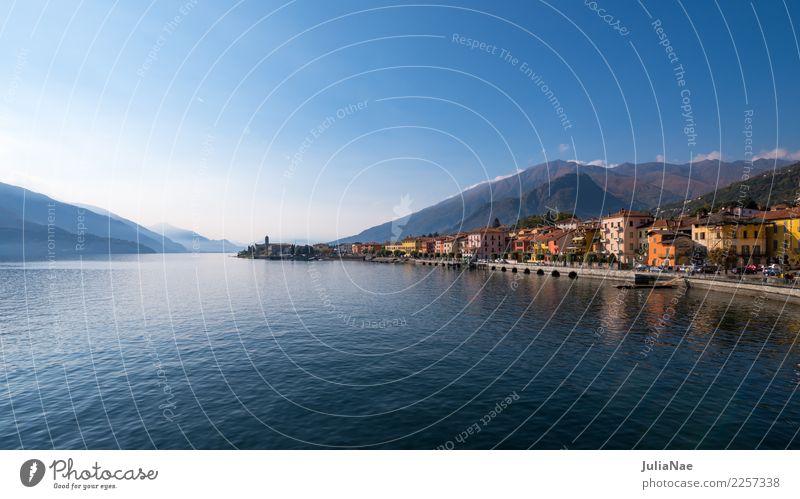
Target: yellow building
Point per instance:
(783, 236)
(745, 238)
(411, 245)
(585, 240)
(393, 246)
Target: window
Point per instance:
(630, 224)
(757, 250)
(702, 235)
(630, 246)
(744, 234)
(774, 244)
(745, 249)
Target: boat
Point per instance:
(652, 284)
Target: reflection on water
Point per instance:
(172, 351)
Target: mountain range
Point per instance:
(195, 242)
(763, 189)
(36, 227)
(568, 186)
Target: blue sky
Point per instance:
(309, 120)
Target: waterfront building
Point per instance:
(744, 238)
(669, 243)
(523, 247)
(418, 245)
(620, 234)
(454, 244)
(357, 248)
(557, 242)
(782, 227)
(372, 247)
(582, 241)
(427, 245)
(487, 243)
(261, 249)
(439, 244)
(393, 246)
(540, 249)
(280, 249)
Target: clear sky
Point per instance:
(309, 120)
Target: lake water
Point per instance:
(183, 351)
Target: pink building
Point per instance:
(619, 234)
(487, 242)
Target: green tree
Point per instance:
(722, 258)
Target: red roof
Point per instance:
(780, 214)
(626, 213)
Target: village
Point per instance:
(734, 239)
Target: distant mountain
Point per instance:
(33, 214)
(567, 186)
(41, 243)
(766, 188)
(194, 242)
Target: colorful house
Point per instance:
(487, 242)
(782, 228)
(620, 234)
(744, 238)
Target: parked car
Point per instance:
(710, 269)
(770, 272)
(775, 267)
(641, 267)
(657, 269)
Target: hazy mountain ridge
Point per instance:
(34, 227)
(568, 186)
(195, 242)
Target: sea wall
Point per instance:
(748, 287)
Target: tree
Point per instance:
(701, 211)
(722, 258)
(750, 204)
(496, 222)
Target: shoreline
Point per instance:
(735, 287)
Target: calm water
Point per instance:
(179, 351)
